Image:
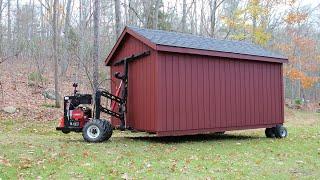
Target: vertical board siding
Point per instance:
(174, 92)
(200, 92)
(162, 100)
(142, 102)
(206, 93)
(188, 88)
(182, 93)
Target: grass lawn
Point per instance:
(35, 150)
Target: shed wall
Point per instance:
(141, 85)
(202, 94)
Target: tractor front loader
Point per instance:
(79, 117)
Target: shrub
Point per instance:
(46, 105)
(35, 77)
(298, 101)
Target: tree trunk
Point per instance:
(31, 27)
(156, 15)
(80, 50)
(65, 61)
(147, 11)
(43, 31)
(202, 18)
(292, 91)
(195, 17)
(55, 53)
(9, 25)
(17, 28)
(184, 16)
(213, 10)
(255, 5)
(117, 16)
(1, 33)
(67, 20)
(130, 12)
(192, 23)
(96, 17)
(126, 12)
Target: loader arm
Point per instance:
(122, 100)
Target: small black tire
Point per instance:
(280, 131)
(64, 131)
(97, 130)
(220, 133)
(270, 133)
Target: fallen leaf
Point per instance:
(85, 154)
(25, 163)
(4, 161)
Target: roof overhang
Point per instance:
(122, 36)
(219, 54)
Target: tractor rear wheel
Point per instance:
(97, 130)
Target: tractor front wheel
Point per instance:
(97, 130)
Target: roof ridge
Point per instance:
(193, 41)
(189, 34)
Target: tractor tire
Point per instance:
(280, 131)
(97, 130)
(270, 133)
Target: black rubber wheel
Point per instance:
(66, 131)
(220, 133)
(280, 131)
(270, 133)
(97, 130)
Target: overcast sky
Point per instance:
(311, 3)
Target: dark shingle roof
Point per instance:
(176, 39)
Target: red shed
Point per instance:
(191, 84)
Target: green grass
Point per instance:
(32, 150)
(46, 105)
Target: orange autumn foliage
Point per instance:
(306, 81)
(296, 17)
(295, 74)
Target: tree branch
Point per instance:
(2, 60)
(134, 11)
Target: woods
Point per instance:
(70, 39)
(211, 97)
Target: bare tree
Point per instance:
(195, 17)
(96, 17)
(9, 24)
(55, 53)
(214, 5)
(1, 33)
(65, 62)
(184, 16)
(156, 15)
(202, 18)
(118, 17)
(17, 32)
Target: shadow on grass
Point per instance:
(175, 139)
(194, 138)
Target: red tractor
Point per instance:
(78, 117)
